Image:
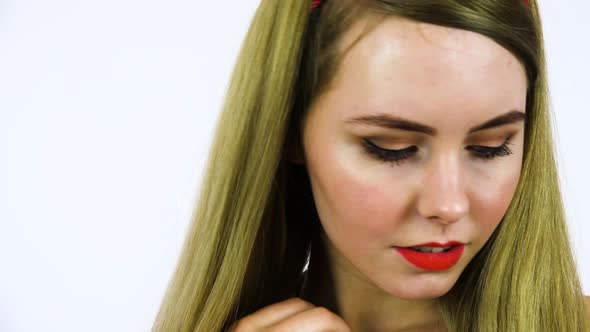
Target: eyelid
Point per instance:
(505, 138)
(483, 153)
(370, 142)
(392, 156)
(412, 147)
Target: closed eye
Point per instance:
(399, 156)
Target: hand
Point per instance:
(294, 315)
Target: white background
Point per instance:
(106, 114)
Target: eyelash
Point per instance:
(485, 153)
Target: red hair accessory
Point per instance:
(316, 3)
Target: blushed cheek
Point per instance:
(493, 201)
(355, 207)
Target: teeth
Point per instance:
(431, 249)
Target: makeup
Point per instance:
(422, 255)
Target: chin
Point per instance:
(421, 287)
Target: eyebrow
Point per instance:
(396, 122)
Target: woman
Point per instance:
(404, 148)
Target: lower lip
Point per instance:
(432, 261)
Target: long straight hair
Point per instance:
(255, 217)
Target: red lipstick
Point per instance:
(434, 261)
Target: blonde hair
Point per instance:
(255, 216)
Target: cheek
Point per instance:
(356, 208)
(492, 199)
(495, 192)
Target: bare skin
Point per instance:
(450, 80)
(291, 315)
(319, 289)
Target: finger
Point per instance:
(274, 313)
(312, 320)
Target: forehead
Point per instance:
(421, 71)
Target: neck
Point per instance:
(359, 302)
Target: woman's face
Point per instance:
(431, 92)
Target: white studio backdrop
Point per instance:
(107, 110)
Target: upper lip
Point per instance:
(437, 244)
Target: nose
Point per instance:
(442, 195)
